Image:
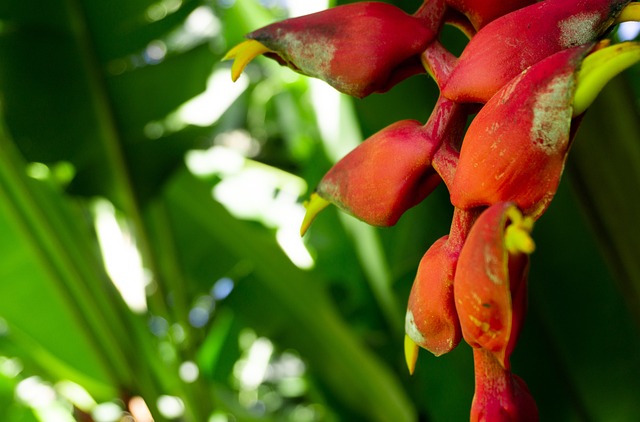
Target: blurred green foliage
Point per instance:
(91, 95)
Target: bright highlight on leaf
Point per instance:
(411, 350)
(599, 68)
(242, 54)
(314, 205)
(630, 13)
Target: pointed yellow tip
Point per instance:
(314, 205)
(598, 68)
(631, 12)
(517, 236)
(411, 350)
(242, 54)
(517, 240)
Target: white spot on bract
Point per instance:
(493, 129)
(492, 268)
(552, 116)
(412, 330)
(578, 29)
(311, 54)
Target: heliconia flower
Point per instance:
(357, 48)
(431, 320)
(515, 148)
(389, 172)
(490, 280)
(510, 44)
(500, 396)
(382, 177)
(481, 12)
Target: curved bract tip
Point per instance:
(411, 350)
(242, 54)
(630, 13)
(314, 205)
(599, 68)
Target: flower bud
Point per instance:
(431, 320)
(385, 175)
(510, 44)
(392, 170)
(500, 396)
(515, 148)
(490, 280)
(358, 48)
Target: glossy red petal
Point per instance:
(486, 279)
(481, 12)
(507, 46)
(358, 48)
(384, 176)
(515, 148)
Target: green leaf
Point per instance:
(605, 168)
(305, 317)
(149, 93)
(591, 334)
(43, 314)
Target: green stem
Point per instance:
(169, 268)
(148, 380)
(112, 144)
(150, 373)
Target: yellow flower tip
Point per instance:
(231, 54)
(517, 234)
(242, 54)
(631, 12)
(518, 240)
(598, 68)
(411, 350)
(314, 205)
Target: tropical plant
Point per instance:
(151, 262)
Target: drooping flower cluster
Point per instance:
(531, 69)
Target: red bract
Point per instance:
(510, 44)
(391, 171)
(500, 396)
(358, 48)
(481, 12)
(530, 71)
(431, 320)
(384, 176)
(490, 280)
(515, 148)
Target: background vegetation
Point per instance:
(119, 126)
